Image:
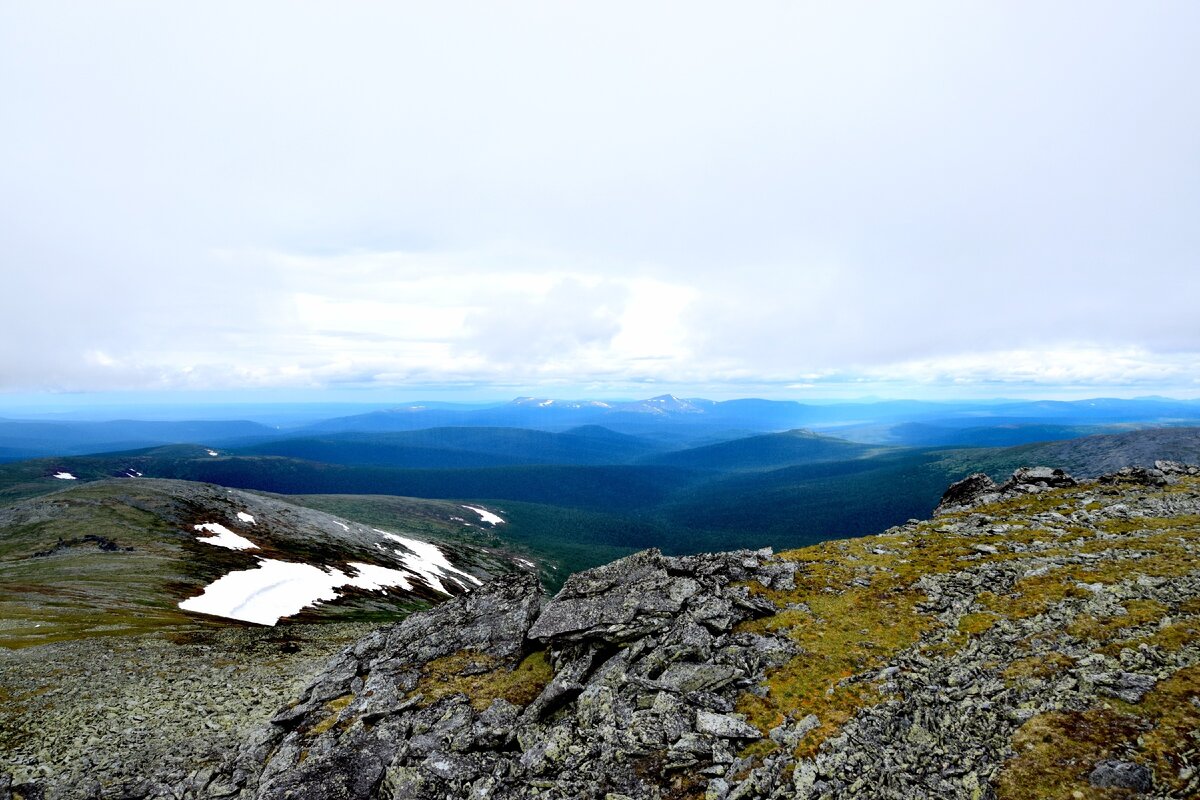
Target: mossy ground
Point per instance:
(1056, 752)
(57, 584)
(843, 629)
(856, 606)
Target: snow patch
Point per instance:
(65, 476)
(486, 515)
(376, 578)
(429, 562)
(244, 517)
(343, 525)
(272, 590)
(276, 589)
(212, 452)
(224, 537)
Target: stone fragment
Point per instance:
(687, 677)
(725, 726)
(1114, 774)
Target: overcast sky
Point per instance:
(783, 199)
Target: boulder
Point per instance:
(725, 726)
(1039, 477)
(1135, 476)
(618, 602)
(967, 491)
(1114, 774)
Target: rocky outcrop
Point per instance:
(977, 488)
(971, 489)
(1037, 638)
(642, 669)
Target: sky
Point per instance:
(484, 200)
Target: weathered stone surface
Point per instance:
(625, 600)
(966, 491)
(1139, 476)
(726, 726)
(1128, 686)
(1114, 774)
(689, 677)
(1037, 477)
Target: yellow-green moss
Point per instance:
(492, 679)
(333, 711)
(1104, 629)
(1040, 666)
(1171, 637)
(1030, 597)
(978, 623)
(1064, 501)
(849, 630)
(860, 608)
(1171, 705)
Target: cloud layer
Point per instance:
(913, 199)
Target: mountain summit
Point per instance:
(1037, 638)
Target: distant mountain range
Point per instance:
(33, 438)
(583, 496)
(662, 421)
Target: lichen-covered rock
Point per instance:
(618, 602)
(1030, 478)
(1113, 774)
(1139, 476)
(639, 679)
(977, 489)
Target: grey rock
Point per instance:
(624, 600)
(687, 677)
(1138, 476)
(790, 734)
(1128, 686)
(1113, 774)
(725, 726)
(966, 491)
(1046, 477)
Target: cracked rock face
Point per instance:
(643, 674)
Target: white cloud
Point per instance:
(601, 196)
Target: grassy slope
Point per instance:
(117, 556)
(82, 589)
